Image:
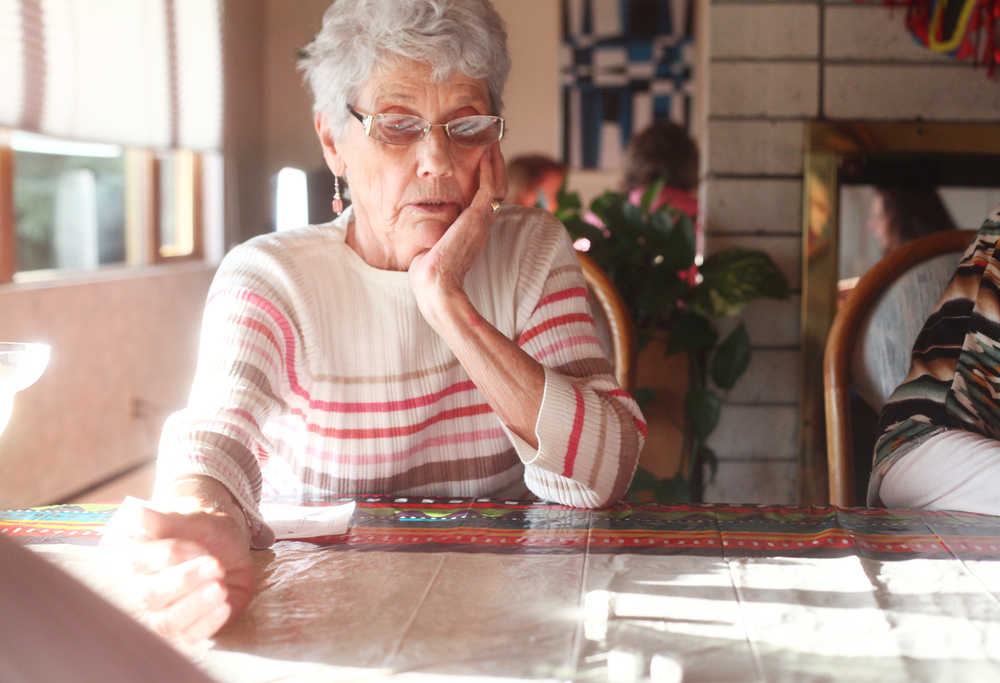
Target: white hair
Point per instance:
(359, 35)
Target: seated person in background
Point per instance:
(664, 150)
(534, 180)
(427, 342)
(901, 214)
(940, 430)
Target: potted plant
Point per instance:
(649, 254)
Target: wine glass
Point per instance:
(21, 364)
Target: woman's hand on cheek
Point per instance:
(437, 275)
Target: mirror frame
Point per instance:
(828, 145)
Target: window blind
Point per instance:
(131, 72)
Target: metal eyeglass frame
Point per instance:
(368, 120)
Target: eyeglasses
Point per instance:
(404, 129)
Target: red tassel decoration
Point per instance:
(978, 37)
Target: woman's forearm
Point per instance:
(512, 381)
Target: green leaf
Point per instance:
(654, 296)
(652, 191)
(644, 480)
(577, 227)
(634, 217)
(673, 490)
(608, 207)
(643, 396)
(732, 357)
(733, 277)
(690, 332)
(680, 250)
(709, 458)
(567, 201)
(702, 408)
(643, 336)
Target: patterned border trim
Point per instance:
(482, 525)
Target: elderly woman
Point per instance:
(426, 342)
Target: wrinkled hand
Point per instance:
(439, 272)
(187, 572)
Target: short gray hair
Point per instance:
(358, 35)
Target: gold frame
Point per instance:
(828, 144)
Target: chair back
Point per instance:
(868, 349)
(614, 325)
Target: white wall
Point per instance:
(123, 352)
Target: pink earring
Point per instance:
(338, 202)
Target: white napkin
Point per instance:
(303, 521)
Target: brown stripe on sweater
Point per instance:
(595, 463)
(259, 380)
(239, 453)
(628, 447)
(466, 469)
(586, 367)
(562, 270)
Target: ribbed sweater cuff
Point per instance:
(559, 406)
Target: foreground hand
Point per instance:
(440, 271)
(188, 572)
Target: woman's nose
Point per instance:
(434, 154)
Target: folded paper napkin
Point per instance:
(301, 521)
(287, 521)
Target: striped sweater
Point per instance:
(954, 377)
(317, 376)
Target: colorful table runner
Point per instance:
(482, 525)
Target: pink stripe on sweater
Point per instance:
(640, 425)
(394, 457)
(337, 406)
(571, 293)
(566, 343)
(567, 319)
(574, 437)
(265, 356)
(245, 414)
(258, 327)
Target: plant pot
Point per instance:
(667, 377)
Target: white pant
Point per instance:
(954, 470)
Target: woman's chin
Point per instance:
(429, 229)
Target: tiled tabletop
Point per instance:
(461, 588)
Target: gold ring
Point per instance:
(496, 204)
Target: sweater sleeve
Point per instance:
(589, 430)
(240, 378)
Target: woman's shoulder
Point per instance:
(281, 261)
(523, 229)
(284, 247)
(295, 239)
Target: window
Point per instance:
(154, 91)
(78, 206)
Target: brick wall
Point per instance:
(774, 66)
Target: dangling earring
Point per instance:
(338, 202)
